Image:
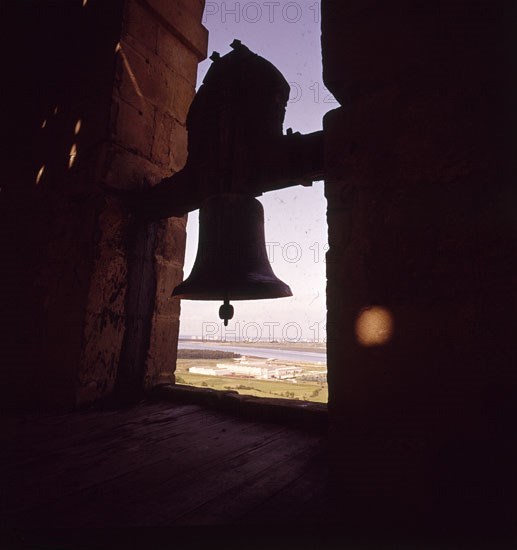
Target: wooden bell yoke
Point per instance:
(235, 139)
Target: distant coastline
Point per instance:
(307, 352)
(288, 346)
(292, 370)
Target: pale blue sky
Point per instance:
(288, 35)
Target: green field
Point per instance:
(302, 390)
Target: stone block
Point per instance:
(141, 25)
(126, 170)
(170, 142)
(139, 78)
(146, 78)
(129, 64)
(176, 55)
(133, 128)
(183, 17)
(104, 320)
(161, 361)
(103, 338)
(168, 276)
(171, 240)
(134, 43)
(184, 92)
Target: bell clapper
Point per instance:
(226, 311)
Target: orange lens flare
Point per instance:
(72, 155)
(374, 326)
(40, 174)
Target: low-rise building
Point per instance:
(250, 370)
(283, 373)
(207, 371)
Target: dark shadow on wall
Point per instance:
(58, 67)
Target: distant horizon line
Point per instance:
(249, 340)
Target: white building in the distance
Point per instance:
(250, 371)
(207, 371)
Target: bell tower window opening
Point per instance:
(271, 347)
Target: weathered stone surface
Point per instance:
(141, 26)
(170, 142)
(171, 241)
(167, 277)
(161, 361)
(64, 65)
(184, 92)
(96, 79)
(139, 78)
(304, 414)
(183, 18)
(127, 170)
(133, 128)
(104, 320)
(176, 55)
(169, 255)
(151, 82)
(146, 78)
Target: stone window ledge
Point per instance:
(303, 414)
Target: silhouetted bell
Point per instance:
(231, 261)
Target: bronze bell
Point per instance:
(231, 261)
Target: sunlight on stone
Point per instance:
(73, 155)
(40, 174)
(374, 326)
(129, 70)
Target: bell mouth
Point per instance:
(259, 291)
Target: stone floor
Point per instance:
(172, 475)
(158, 465)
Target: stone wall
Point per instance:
(420, 285)
(98, 96)
(155, 76)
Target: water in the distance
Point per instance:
(266, 352)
